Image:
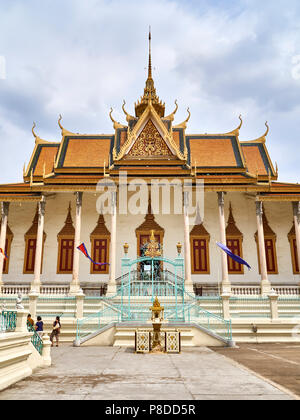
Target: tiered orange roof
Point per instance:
(150, 145)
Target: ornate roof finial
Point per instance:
(64, 132)
(34, 134)
(171, 116)
(150, 62)
(128, 116)
(59, 120)
(116, 124)
(240, 117)
(268, 129)
(150, 96)
(183, 124)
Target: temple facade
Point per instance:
(85, 189)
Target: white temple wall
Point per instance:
(279, 215)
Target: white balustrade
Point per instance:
(45, 289)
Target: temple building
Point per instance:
(48, 215)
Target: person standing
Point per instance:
(39, 326)
(55, 331)
(30, 321)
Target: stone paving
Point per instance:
(277, 362)
(113, 373)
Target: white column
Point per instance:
(188, 283)
(46, 354)
(36, 283)
(296, 209)
(226, 286)
(111, 287)
(75, 285)
(4, 215)
(265, 284)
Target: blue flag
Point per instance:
(233, 256)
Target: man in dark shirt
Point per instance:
(39, 326)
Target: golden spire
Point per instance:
(150, 62)
(150, 91)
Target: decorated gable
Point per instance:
(149, 143)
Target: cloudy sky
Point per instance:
(221, 58)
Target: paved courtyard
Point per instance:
(278, 362)
(111, 373)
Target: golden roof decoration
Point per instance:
(184, 123)
(38, 140)
(171, 116)
(128, 116)
(261, 139)
(150, 95)
(64, 132)
(116, 124)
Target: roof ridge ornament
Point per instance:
(171, 116)
(128, 116)
(64, 132)
(116, 124)
(236, 131)
(261, 139)
(184, 123)
(34, 134)
(38, 140)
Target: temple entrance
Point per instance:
(148, 277)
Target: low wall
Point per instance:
(18, 357)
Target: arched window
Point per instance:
(199, 240)
(270, 246)
(100, 241)
(8, 241)
(30, 246)
(293, 246)
(65, 240)
(234, 240)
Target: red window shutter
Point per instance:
(5, 262)
(200, 255)
(235, 247)
(66, 255)
(295, 255)
(100, 254)
(270, 257)
(30, 255)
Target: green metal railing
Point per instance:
(211, 322)
(96, 321)
(36, 340)
(8, 321)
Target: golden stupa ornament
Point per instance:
(152, 250)
(157, 319)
